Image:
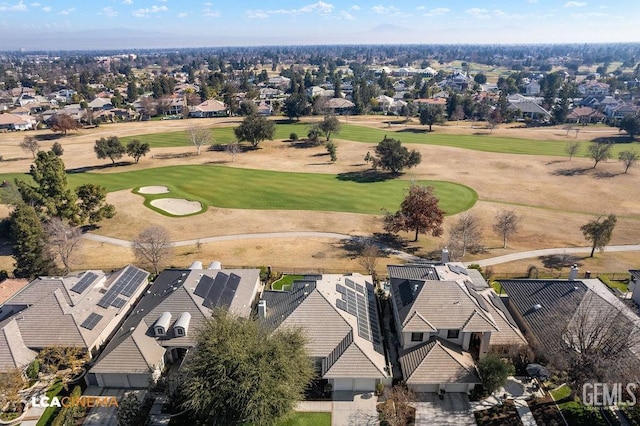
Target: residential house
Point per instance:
(10, 121)
(546, 310)
(458, 81)
(445, 316)
(209, 108)
(80, 310)
(621, 110)
(594, 88)
(264, 109)
(161, 328)
(585, 115)
(100, 104)
(315, 91)
(270, 93)
(340, 106)
(532, 88)
(339, 316)
(280, 82)
(528, 107)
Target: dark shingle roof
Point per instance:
(546, 306)
(413, 272)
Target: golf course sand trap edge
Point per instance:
(177, 206)
(153, 190)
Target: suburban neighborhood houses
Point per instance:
(410, 219)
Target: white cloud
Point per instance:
(346, 16)
(210, 13)
(67, 11)
(146, 12)
(109, 12)
(208, 4)
(437, 11)
(18, 7)
(162, 1)
(532, 1)
(127, 1)
(256, 14)
(35, 5)
(46, 9)
(320, 7)
(575, 4)
(421, 8)
(389, 11)
(182, 15)
(478, 13)
(355, 7)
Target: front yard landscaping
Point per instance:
(499, 415)
(284, 283)
(307, 419)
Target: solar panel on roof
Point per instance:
(203, 286)
(92, 320)
(118, 302)
(229, 291)
(87, 279)
(215, 291)
(457, 269)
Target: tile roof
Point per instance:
(437, 361)
(338, 338)
(13, 351)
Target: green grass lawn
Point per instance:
(50, 412)
(480, 142)
(228, 187)
(620, 285)
(561, 392)
(286, 280)
(307, 419)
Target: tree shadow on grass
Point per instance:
(413, 130)
(576, 171)
(87, 169)
(49, 136)
(305, 143)
(606, 175)
(364, 176)
(623, 139)
(559, 261)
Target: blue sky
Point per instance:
(217, 22)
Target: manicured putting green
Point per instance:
(481, 142)
(228, 187)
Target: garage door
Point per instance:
(456, 387)
(342, 384)
(424, 388)
(113, 380)
(367, 385)
(139, 380)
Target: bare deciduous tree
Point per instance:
(63, 240)
(11, 382)
(396, 410)
(233, 148)
(199, 136)
(153, 247)
(572, 149)
(30, 144)
(506, 224)
(370, 253)
(466, 234)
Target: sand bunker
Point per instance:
(177, 206)
(153, 190)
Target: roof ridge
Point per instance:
(448, 352)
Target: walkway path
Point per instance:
(403, 255)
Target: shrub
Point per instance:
(33, 369)
(3, 275)
(56, 148)
(293, 136)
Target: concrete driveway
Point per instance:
(453, 410)
(354, 409)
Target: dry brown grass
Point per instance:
(554, 196)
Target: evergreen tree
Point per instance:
(27, 237)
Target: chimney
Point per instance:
(573, 273)
(445, 255)
(262, 309)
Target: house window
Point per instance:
(179, 332)
(453, 334)
(417, 337)
(159, 331)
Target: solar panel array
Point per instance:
(126, 284)
(219, 291)
(87, 279)
(457, 269)
(361, 303)
(475, 294)
(92, 320)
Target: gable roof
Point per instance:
(13, 351)
(348, 337)
(436, 361)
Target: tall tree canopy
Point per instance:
(255, 129)
(137, 149)
(599, 151)
(431, 114)
(51, 196)
(296, 106)
(631, 125)
(28, 241)
(110, 148)
(63, 123)
(243, 373)
(392, 156)
(599, 231)
(92, 205)
(418, 212)
(329, 125)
